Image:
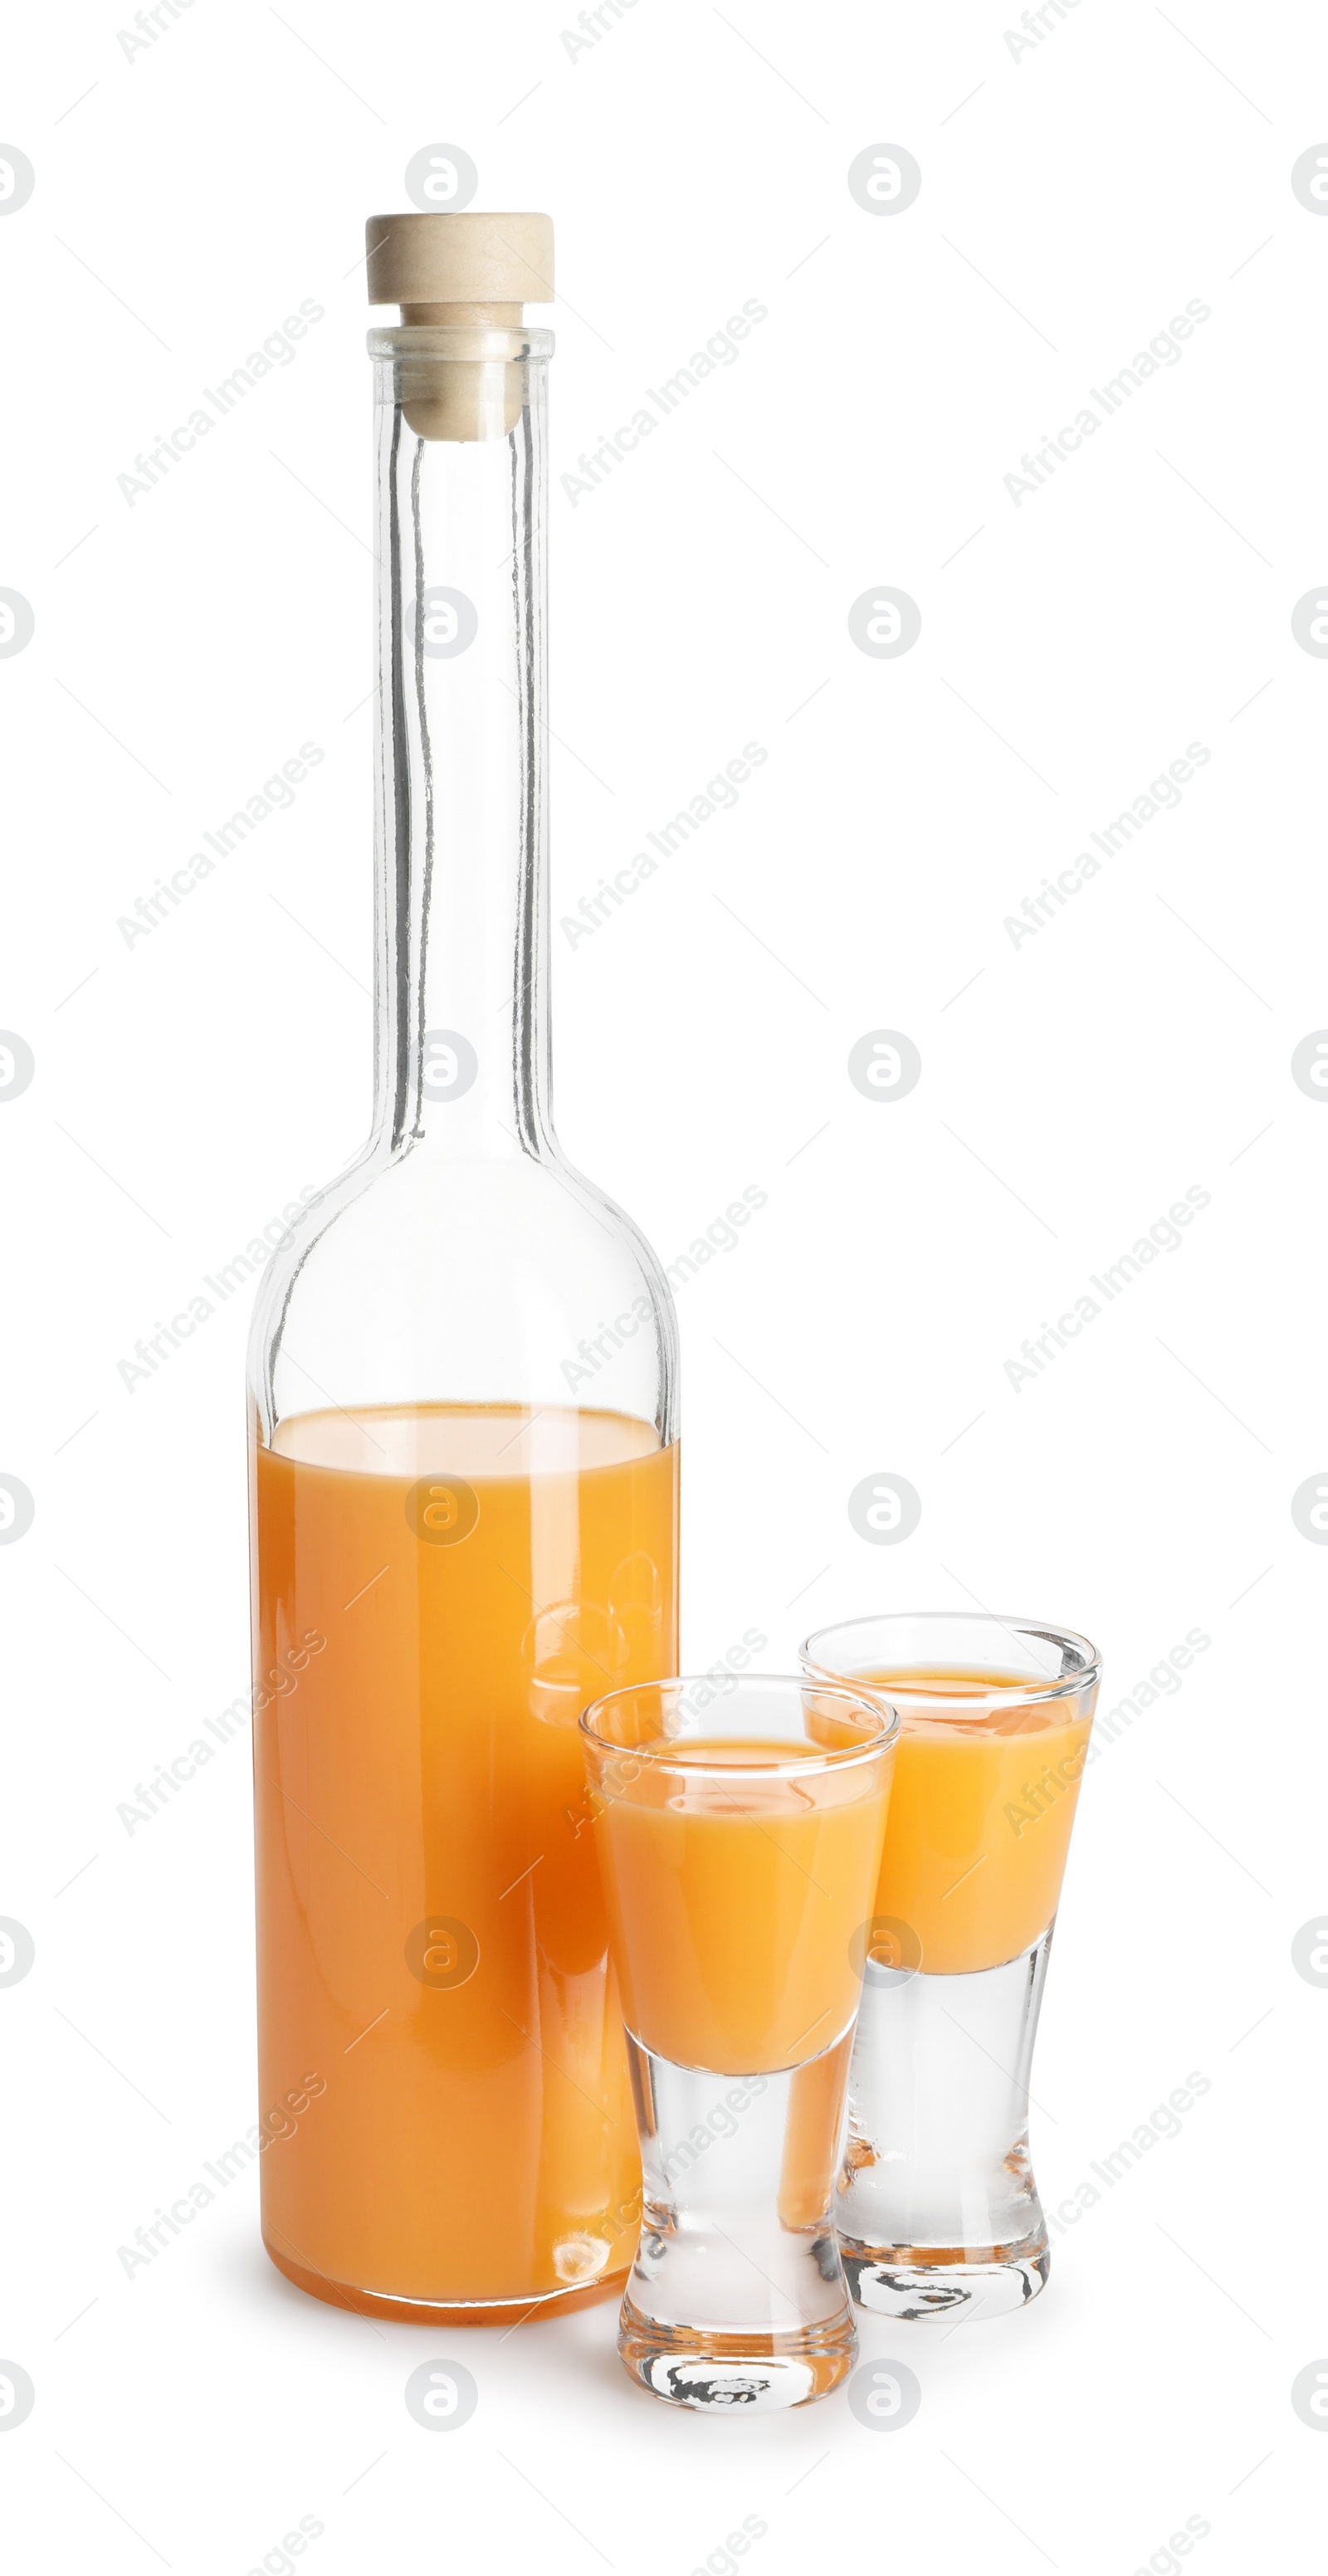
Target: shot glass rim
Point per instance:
(973, 1703)
(665, 1756)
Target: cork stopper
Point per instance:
(423, 262)
(467, 272)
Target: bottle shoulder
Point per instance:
(419, 1276)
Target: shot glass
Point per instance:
(740, 1826)
(936, 2205)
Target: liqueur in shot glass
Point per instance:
(739, 1833)
(936, 2205)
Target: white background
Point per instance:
(1073, 200)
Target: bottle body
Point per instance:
(450, 1550)
(474, 2143)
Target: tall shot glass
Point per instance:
(739, 1827)
(936, 2205)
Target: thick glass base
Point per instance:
(720, 2370)
(431, 2312)
(914, 2282)
(737, 2295)
(936, 2207)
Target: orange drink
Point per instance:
(439, 1592)
(734, 1889)
(986, 1785)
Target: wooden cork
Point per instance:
(467, 272)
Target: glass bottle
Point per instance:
(464, 1443)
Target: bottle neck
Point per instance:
(461, 1055)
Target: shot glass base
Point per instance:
(937, 2208)
(913, 2282)
(721, 2372)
